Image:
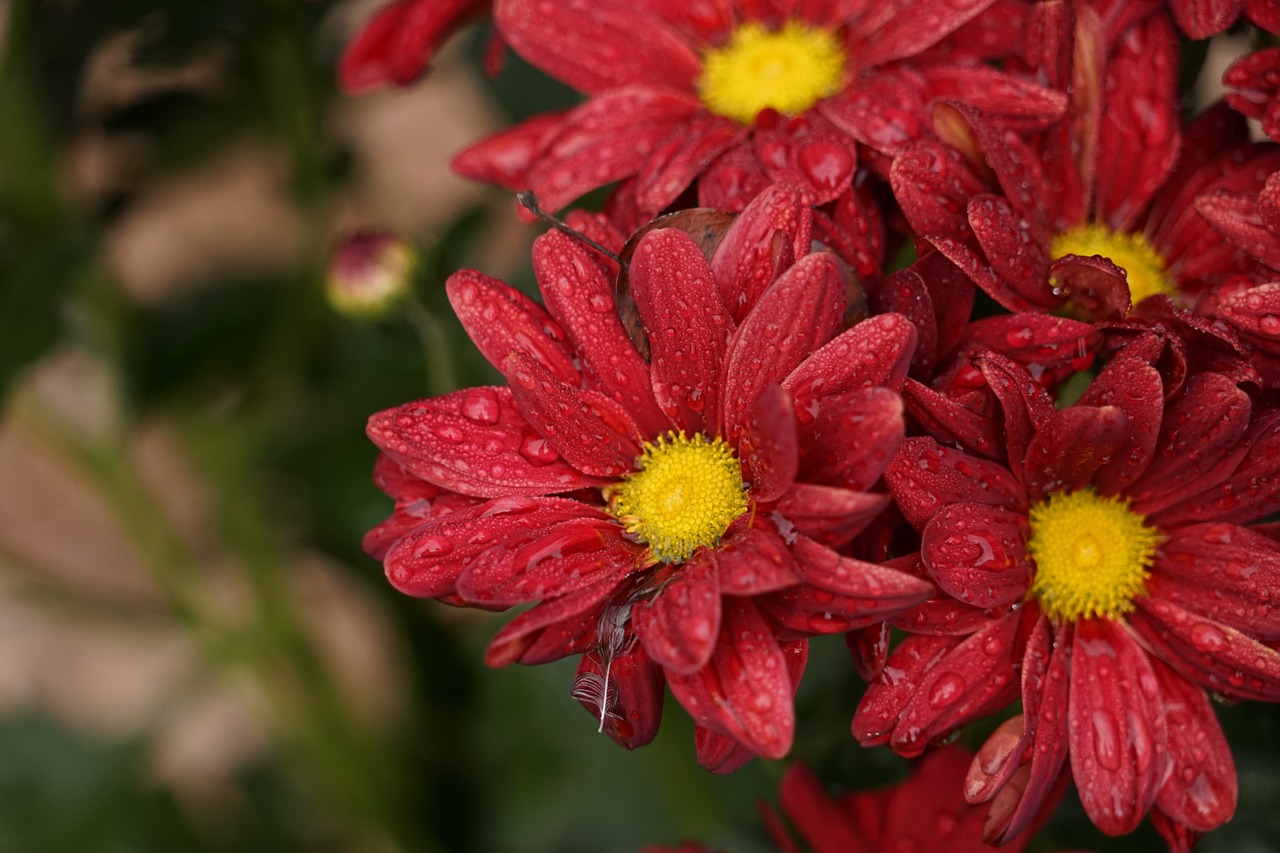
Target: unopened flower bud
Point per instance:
(370, 274)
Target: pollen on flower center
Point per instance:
(684, 494)
(1092, 555)
(1145, 269)
(789, 70)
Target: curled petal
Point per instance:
(869, 648)
(878, 585)
(977, 553)
(851, 438)
(881, 706)
(680, 624)
(635, 687)
(719, 753)
(1135, 388)
(876, 351)
(476, 442)
(806, 150)
(745, 690)
(1067, 453)
(1116, 725)
(776, 224)
(680, 157)
(1200, 791)
(951, 422)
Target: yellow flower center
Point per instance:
(1144, 268)
(1092, 555)
(789, 70)
(684, 494)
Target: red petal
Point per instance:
(1213, 655)
(614, 44)
(745, 691)
(809, 151)
(1200, 792)
(884, 108)
(906, 35)
(636, 686)
(821, 822)
(1135, 388)
(1018, 258)
(506, 158)
(768, 447)
(869, 648)
(680, 624)
(551, 630)
(829, 515)
(501, 320)
(852, 439)
(1200, 19)
(947, 420)
(876, 351)
(883, 588)
(797, 313)
(924, 477)
(719, 753)
(777, 222)
(881, 706)
(592, 432)
(974, 679)
(1067, 452)
(427, 561)
(579, 296)
(688, 327)
(1141, 116)
(753, 558)
(476, 442)
(685, 153)
(977, 553)
(1116, 724)
(565, 557)
(1223, 572)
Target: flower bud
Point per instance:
(370, 275)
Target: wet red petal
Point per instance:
(588, 429)
(869, 648)
(745, 691)
(776, 224)
(1067, 452)
(924, 477)
(1224, 572)
(852, 438)
(947, 420)
(1238, 218)
(1026, 405)
(579, 296)
(977, 553)
(1134, 387)
(876, 351)
(565, 557)
(906, 35)
(614, 45)
(808, 151)
(829, 515)
(688, 326)
(679, 158)
(884, 109)
(501, 320)
(821, 822)
(753, 558)
(637, 687)
(881, 587)
(1200, 792)
(554, 629)
(476, 442)
(427, 561)
(719, 753)
(1203, 18)
(1252, 486)
(1018, 257)
(505, 158)
(1213, 655)
(680, 624)
(973, 679)
(767, 445)
(881, 706)
(797, 313)
(1116, 726)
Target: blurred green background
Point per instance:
(194, 653)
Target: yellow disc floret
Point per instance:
(789, 70)
(1144, 268)
(683, 495)
(1092, 555)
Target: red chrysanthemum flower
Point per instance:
(1097, 214)
(733, 95)
(675, 517)
(926, 813)
(395, 46)
(1106, 557)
